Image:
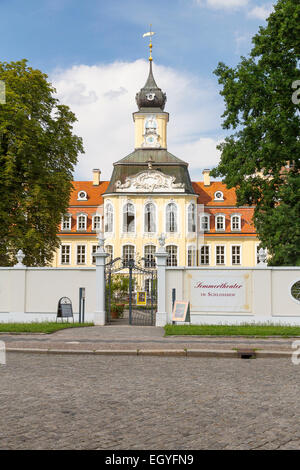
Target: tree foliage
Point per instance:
(38, 152)
(266, 122)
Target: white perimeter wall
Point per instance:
(32, 294)
(260, 295)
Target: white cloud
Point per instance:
(223, 4)
(261, 12)
(102, 97)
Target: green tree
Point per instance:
(38, 152)
(266, 122)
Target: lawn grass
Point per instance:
(46, 327)
(233, 330)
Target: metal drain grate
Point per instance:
(246, 354)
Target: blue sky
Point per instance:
(61, 36)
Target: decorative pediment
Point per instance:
(150, 181)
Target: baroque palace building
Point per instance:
(151, 193)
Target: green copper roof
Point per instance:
(156, 155)
(160, 159)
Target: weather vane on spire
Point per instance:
(150, 33)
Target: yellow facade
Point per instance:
(166, 180)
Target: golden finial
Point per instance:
(150, 33)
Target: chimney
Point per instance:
(206, 177)
(96, 177)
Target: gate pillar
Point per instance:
(100, 255)
(161, 263)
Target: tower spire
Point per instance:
(150, 34)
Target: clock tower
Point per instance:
(150, 120)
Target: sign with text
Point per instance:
(181, 311)
(141, 298)
(227, 293)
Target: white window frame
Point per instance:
(70, 253)
(177, 255)
(93, 222)
(85, 222)
(63, 221)
(110, 257)
(177, 222)
(82, 198)
(94, 245)
(216, 223)
(131, 232)
(256, 254)
(107, 204)
(190, 205)
(239, 222)
(207, 216)
(155, 217)
(134, 250)
(85, 254)
(219, 198)
(144, 250)
(209, 255)
(194, 256)
(220, 264)
(236, 245)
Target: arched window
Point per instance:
(150, 225)
(149, 256)
(171, 218)
(108, 218)
(81, 222)
(172, 255)
(128, 218)
(192, 218)
(128, 254)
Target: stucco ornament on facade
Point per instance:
(151, 181)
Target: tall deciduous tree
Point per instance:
(38, 151)
(261, 157)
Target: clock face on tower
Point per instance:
(151, 137)
(150, 96)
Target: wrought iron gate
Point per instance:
(131, 292)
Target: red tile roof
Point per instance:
(94, 193)
(206, 194)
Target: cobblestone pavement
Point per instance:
(95, 402)
(137, 337)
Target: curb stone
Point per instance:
(221, 353)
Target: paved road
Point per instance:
(137, 337)
(84, 402)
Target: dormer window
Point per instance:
(235, 223)
(219, 196)
(96, 222)
(220, 222)
(82, 196)
(66, 222)
(81, 222)
(204, 223)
